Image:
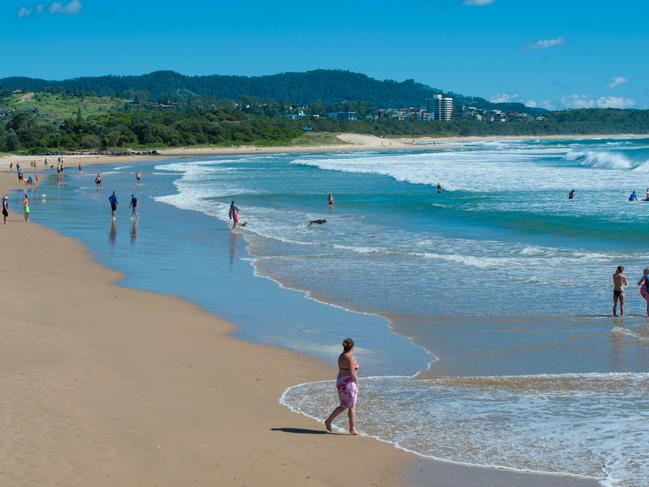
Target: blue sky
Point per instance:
(550, 53)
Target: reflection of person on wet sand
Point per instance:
(113, 232)
(234, 240)
(133, 230)
(619, 281)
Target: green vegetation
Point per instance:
(58, 106)
(132, 129)
(129, 126)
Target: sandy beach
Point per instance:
(104, 385)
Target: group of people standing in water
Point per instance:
(619, 283)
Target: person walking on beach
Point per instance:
(644, 287)
(133, 206)
(26, 207)
(619, 281)
(113, 203)
(5, 209)
(347, 386)
(330, 200)
(233, 214)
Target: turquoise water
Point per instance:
(500, 281)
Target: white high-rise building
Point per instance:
(440, 106)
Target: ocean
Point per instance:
(481, 314)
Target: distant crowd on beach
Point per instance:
(33, 182)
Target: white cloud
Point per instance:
(73, 7)
(548, 105)
(583, 101)
(617, 81)
(504, 98)
(478, 3)
(615, 102)
(546, 43)
(531, 104)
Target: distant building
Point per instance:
(440, 107)
(342, 115)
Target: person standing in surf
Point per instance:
(5, 209)
(113, 204)
(26, 207)
(347, 386)
(619, 281)
(133, 206)
(644, 287)
(233, 214)
(330, 200)
(138, 176)
(439, 188)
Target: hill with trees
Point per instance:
(326, 86)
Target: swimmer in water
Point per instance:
(619, 281)
(633, 196)
(439, 187)
(571, 195)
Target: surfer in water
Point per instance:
(633, 196)
(439, 188)
(644, 287)
(619, 281)
(330, 200)
(571, 195)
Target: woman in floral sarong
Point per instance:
(347, 386)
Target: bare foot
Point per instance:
(328, 426)
(353, 432)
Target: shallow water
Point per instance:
(499, 276)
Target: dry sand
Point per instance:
(107, 386)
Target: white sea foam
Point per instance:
(528, 423)
(600, 159)
(488, 170)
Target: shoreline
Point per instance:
(381, 463)
(349, 142)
